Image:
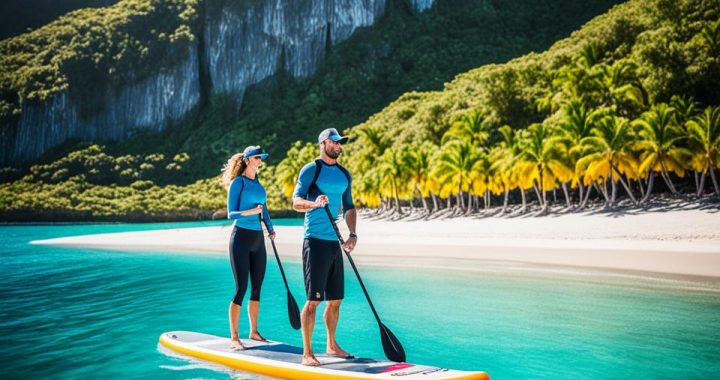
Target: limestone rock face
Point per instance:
(242, 44)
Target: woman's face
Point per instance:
(254, 162)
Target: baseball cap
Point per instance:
(332, 134)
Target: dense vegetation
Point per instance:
(629, 98)
(404, 51)
(87, 48)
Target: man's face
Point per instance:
(332, 148)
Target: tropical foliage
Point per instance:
(623, 110)
(601, 114)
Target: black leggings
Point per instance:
(247, 256)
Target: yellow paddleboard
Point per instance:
(280, 360)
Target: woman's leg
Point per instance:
(258, 265)
(240, 263)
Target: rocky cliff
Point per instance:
(241, 44)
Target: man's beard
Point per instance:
(333, 155)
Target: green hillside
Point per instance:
(620, 67)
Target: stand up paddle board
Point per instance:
(276, 359)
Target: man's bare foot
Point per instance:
(256, 336)
(310, 360)
(236, 345)
(338, 352)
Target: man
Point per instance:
(319, 183)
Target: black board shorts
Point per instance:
(323, 268)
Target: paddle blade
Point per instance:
(293, 312)
(391, 345)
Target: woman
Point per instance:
(246, 201)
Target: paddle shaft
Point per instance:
(277, 257)
(352, 263)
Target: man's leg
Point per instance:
(307, 322)
(331, 316)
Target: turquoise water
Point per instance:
(74, 313)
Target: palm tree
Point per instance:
(288, 169)
(481, 178)
(704, 130)
(502, 158)
(607, 154)
(377, 143)
(544, 161)
(417, 161)
(375, 139)
(473, 128)
(579, 80)
(686, 109)
(454, 166)
(618, 84)
(577, 125)
(658, 135)
(394, 174)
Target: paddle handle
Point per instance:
(352, 263)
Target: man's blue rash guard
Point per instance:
(331, 182)
(244, 194)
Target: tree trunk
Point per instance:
(613, 186)
(397, 197)
(436, 206)
(524, 201)
(642, 188)
(567, 194)
(714, 180)
(700, 183)
(581, 191)
(697, 183)
(667, 179)
(586, 197)
(603, 190)
(537, 193)
(505, 201)
(424, 202)
(651, 180)
(628, 189)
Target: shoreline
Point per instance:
(678, 242)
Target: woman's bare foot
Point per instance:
(310, 360)
(236, 345)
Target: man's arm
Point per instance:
(303, 205)
(351, 221)
(305, 177)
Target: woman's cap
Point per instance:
(254, 150)
(332, 134)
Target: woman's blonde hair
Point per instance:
(233, 168)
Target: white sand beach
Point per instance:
(680, 241)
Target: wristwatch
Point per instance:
(353, 235)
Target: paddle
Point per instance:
(293, 311)
(391, 345)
